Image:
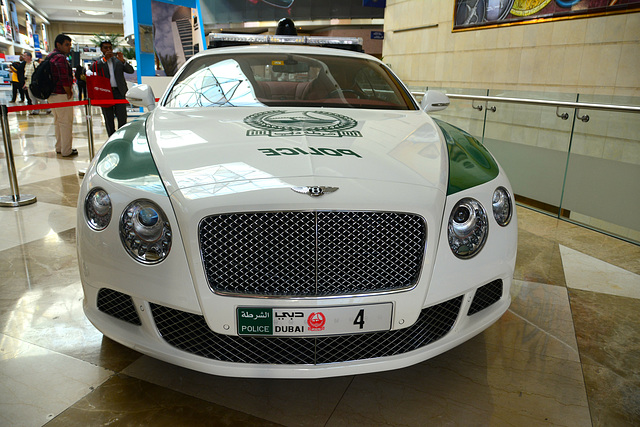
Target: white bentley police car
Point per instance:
(291, 211)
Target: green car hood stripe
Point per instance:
(126, 159)
(470, 164)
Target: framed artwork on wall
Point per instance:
(477, 14)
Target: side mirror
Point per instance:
(141, 96)
(434, 101)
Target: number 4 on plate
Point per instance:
(359, 320)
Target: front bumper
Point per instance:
(184, 339)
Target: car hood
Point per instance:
(206, 149)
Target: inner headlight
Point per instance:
(468, 228)
(502, 206)
(97, 209)
(145, 232)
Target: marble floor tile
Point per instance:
(48, 262)
(123, 400)
(540, 315)
(590, 274)
(36, 384)
(608, 338)
(35, 168)
(538, 260)
(62, 190)
(288, 402)
(474, 384)
(606, 248)
(33, 222)
(41, 302)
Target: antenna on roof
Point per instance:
(286, 27)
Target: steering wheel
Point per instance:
(336, 92)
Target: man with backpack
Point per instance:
(29, 69)
(62, 77)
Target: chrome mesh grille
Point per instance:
(118, 305)
(485, 296)
(189, 332)
(312, 253)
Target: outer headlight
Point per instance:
(468, 228)
(145, 232)
(97, 209)
(502, 206)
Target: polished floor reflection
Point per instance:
(566, 353)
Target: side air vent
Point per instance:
(118, 305)
(485, 296)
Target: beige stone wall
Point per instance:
(372, 47)
(599, 55)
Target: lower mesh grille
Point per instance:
(485, 296)
(118, 305)
(189, 332)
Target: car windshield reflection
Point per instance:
(286, 80)
(219, 84)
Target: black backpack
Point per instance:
(42, 84)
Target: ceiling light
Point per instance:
(95, 12)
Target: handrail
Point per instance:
(578, 105)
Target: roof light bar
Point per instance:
(228, 39)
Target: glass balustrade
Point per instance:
(583, 168)
(602, 186)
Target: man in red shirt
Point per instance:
(63, 78)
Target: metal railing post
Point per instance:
(15, 199)
(87, 107)
(89, 119)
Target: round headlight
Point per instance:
(502, 206)
(468, 228)
(145, 232)
(97, 209)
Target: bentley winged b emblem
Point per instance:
(315, 191)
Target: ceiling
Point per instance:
(110, 11)
(70, 11)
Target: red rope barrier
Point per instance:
(96, 103)
(44, 106)
(107, 102)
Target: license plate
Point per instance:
(314, 321)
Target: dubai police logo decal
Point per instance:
(301, 123)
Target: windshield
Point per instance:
(287, 80)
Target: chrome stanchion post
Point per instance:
(15, 199)
(92, 151)
(89, 118)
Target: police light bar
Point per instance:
(224, 40)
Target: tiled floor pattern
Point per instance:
(566, 353)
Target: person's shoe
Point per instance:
(74, 152)
(34, 112)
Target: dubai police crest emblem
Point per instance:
(301, 123)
